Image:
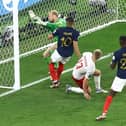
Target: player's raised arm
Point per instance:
(53, 23)
(36, 19)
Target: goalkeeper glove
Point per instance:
(36, 19)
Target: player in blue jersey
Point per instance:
(119, 59)
(67, 44)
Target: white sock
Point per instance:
(97, 80)
(76, 90)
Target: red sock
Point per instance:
(53, 72)
(107, 104)
(60, 69)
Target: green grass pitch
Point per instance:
(41, 106)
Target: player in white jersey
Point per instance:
(84, 68)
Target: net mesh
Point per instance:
(86, 15)
(6, 50)
(121, 9)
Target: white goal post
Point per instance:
(20, 37)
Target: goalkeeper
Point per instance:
(54, 22)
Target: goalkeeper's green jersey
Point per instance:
(59, 23)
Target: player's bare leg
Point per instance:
(69, 89)
(49, 51)
(78, 90)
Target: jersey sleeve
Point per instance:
(56, 32)
(76, 35)
(58, 24)
(51, 26)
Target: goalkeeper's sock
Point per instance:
(53, 72)
(56, 65)
(60, 69)
(107, 104)
(97, 80)
(47, 60)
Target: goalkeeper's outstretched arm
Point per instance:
(36, 19)
(53, 23)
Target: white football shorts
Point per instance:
(56, 57)
(118, 84)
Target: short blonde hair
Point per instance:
(98, 53)
(54, 12)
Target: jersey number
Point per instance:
(123, 63)
(66, 41)
(79, 64)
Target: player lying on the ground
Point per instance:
(119, 59)
(67, 44)
(54, 22)
(83, 70)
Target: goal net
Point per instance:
(89, 15)
(6, 50)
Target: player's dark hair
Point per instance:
(70, 21)
(122, 40)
